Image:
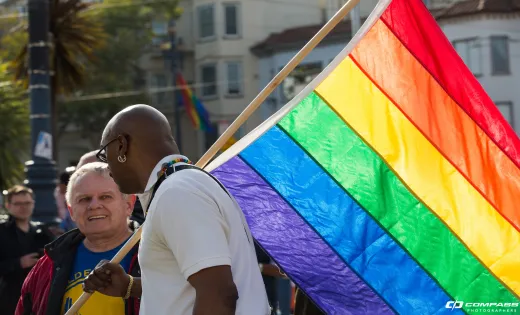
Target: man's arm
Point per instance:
(216, 291)
(9, 265)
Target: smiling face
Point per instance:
(97, 206)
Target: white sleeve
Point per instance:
(194, 230)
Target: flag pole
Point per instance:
(271, 86)
(240, 120)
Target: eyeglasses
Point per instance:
(102, 153)
(24, 204)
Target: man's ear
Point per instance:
(131, 203)
(71, 212)
(123, 146)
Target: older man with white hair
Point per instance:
(101, 213)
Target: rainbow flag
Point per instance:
(390, 183)
(197, 113)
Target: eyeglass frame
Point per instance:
(22, 204)
(102, 155)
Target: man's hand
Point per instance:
(29, 260)
(273, 271)
(107, 278)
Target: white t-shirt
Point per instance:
(193, 224)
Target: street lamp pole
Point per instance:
(170, 52)
(41, 170)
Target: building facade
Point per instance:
(485, 33)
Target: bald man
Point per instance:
(197, 255)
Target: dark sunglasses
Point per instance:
(102, 153)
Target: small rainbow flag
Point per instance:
(390, 183)
(197, 113)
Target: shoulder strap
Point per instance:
(188, 166)
(172, 170)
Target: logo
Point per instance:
(479, 306)
(454, 304)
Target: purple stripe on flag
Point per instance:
(299, 251)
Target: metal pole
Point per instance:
(176, 93)
(41, 170)
(355, 19)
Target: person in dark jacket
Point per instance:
(101, 213)
(21, 244)
(304, 305)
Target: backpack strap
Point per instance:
(193, 167)
(173, 169)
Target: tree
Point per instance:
(127, 27)
(14, 129)
(114, 36)
(75, 37)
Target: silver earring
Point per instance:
(121, 159)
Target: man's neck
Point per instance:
(23, 225)
(103, 244)
(149, 164)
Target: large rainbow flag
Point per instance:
(389, 184)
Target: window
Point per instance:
(299, 78)
(231, 12)
(506, 109)
(234, 78)
(209, 80)
(22, 9)
(159, 27)
(160, 31)
(206, 21)
(159, 81)
(469, 51)
(500, 55)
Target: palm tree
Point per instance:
(76, 34)
(14, 130)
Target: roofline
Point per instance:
(270, 49)
(261, 50)
(465, 14)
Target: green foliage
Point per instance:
(76, 35)
(128, 32)
(14, 129)
(96, 50)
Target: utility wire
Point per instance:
(153, 90)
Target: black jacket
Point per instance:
(14, 243)
(47, 298)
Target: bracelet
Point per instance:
(129, 289)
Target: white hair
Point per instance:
(94, 167)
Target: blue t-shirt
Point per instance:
(98, 303)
